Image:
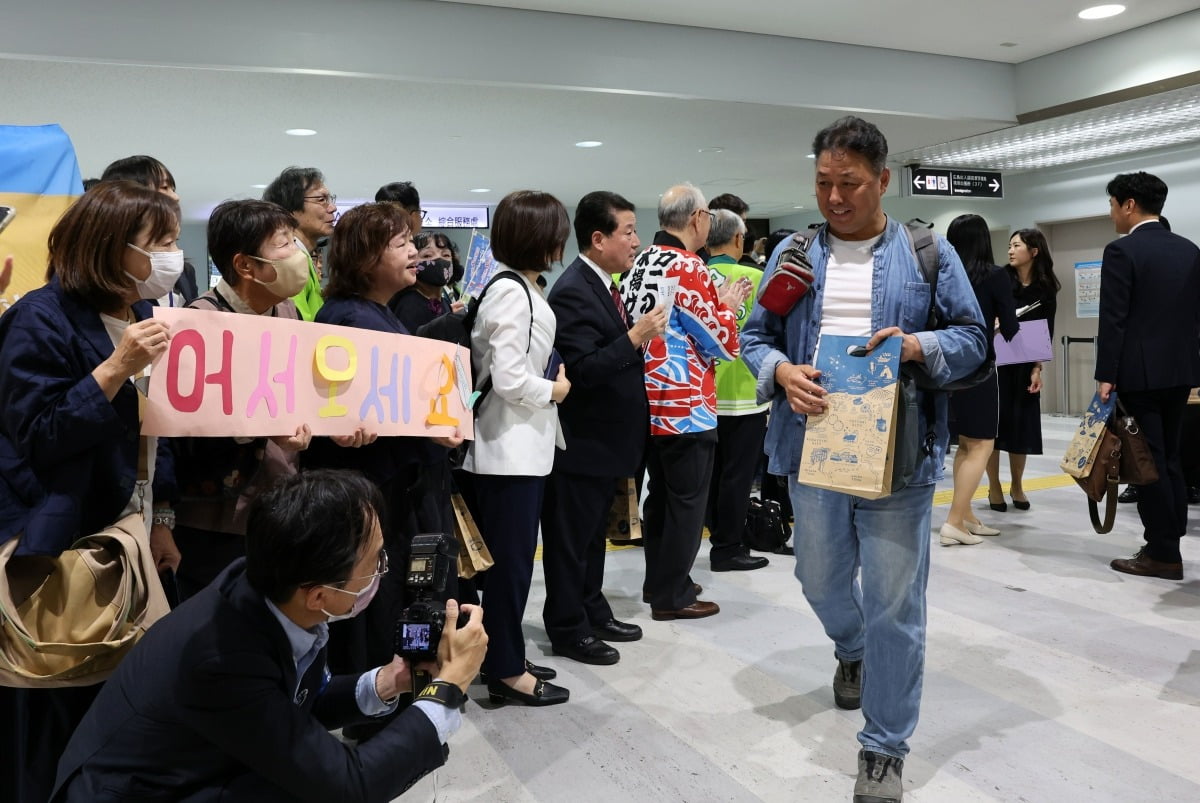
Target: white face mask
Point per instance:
(361, 600)
(291, 274)
(165, 269)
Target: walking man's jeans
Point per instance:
(880, 616)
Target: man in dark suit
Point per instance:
(605, 423)
(229, 697)
(1148, 351)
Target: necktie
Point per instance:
(616, 297)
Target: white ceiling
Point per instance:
(965, 28)
(211, 95)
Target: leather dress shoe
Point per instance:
(739, 563)
(543, 694)
(1144, 566)
(588, 650)
(628, 541)
(614, 630)
(1129, 494)
(695, 587)
(697, 610)
(539, 672)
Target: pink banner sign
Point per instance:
(235, 375)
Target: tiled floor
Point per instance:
(1049, 677)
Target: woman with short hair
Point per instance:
(516, 431)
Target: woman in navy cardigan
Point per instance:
(72, 458)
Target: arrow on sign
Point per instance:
(995, 185)
(919, 181)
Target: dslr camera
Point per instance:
(420, 625)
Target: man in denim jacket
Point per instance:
(866, 281)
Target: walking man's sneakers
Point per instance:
(878, 778)
(847, 684)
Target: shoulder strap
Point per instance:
(924, 248)
(473, 311)
(1110, 509)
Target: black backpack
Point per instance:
(455, 327)
(766, 531)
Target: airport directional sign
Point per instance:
(941, 182)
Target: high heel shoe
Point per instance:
(543, 694)
(951, 535)
(1020, 504)
(999, 507)
(979, 528)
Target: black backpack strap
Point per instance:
(473, 313)
(924, 248)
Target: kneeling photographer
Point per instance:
(229, 696)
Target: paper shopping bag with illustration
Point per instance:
(1085, 440)
(850, 447)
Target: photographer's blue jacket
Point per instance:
(899, 297)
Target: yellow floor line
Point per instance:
(1031, 484)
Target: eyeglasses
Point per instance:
(328, 199)
(381, 569)
(711, 214)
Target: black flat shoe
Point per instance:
(539, 672)
(543, 694)
(999, 507)
(1020, 505)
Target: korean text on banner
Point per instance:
(850, 447)
(249, 376)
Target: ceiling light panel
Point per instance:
(1158, 121)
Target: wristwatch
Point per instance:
(164, 516)
(444, 692)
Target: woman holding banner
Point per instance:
(71, 458)
(213, 480)
(516, 431)
(371, 259)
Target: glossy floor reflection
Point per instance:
(1049, 677)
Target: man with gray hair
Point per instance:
(741, 419)
(680, 389)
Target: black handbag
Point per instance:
(765, 528)
(1123, 456)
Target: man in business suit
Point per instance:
(605, 423)
(229, 697)
(1148, 351)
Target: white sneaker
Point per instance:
(979, 528)
(951, 535)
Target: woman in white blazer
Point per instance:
(516, 431)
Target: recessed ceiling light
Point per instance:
(712, 150)
(1101, 12)
(810, 156)
(480, 189)
(300, 132)
(797, 207)
(258, 186)
(589, 143)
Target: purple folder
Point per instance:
(1031, 343)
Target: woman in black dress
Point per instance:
(1031, 271)
(974, 412)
